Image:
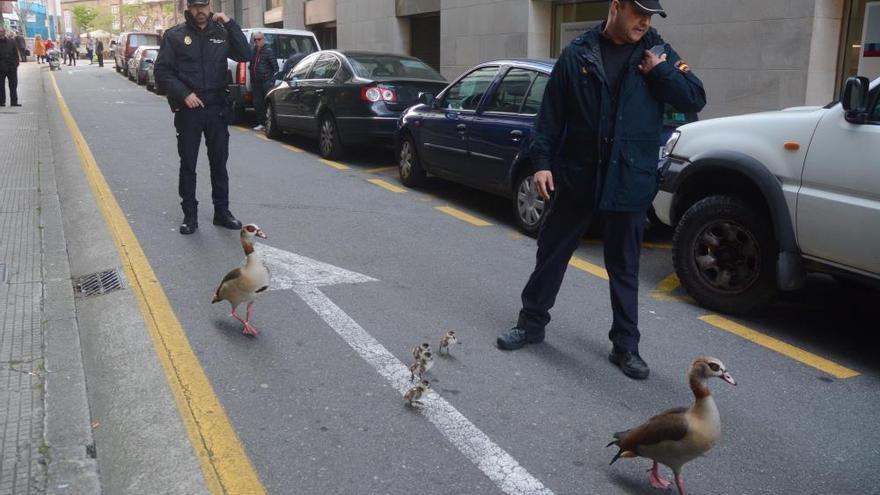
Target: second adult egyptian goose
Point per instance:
(242, 285)
(679, 435)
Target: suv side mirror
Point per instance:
(426, 99)
(855, 98)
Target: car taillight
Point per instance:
(373, 94)
(241, 73)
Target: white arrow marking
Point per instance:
(304, 276)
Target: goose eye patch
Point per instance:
(714, 366)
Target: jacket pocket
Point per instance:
(639, 176)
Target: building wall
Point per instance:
(755, 55)
(752, 55)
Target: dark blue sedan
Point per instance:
(476, 132)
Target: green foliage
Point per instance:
(84, 17)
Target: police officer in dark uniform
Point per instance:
(192, 68)
(595, 148)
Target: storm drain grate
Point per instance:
(98, 283)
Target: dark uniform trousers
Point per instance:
(566, 222)
(12, 76)
(191, 123)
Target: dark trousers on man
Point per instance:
(259, 89)
(12, 76)
(190, 124)
(100, 59)
(565, 225)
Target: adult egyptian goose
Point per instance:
(679, 435)
(243, 284)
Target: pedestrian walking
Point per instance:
(594, 148)
(21, 43)
(8, 69)
(192, 68)
(39, 49)
(90, 48)
(69, 52)
(99, 47)
(263, 68)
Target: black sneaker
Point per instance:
(516, 338)
(223, 218)
(630, 363)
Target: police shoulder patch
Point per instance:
(682, 66)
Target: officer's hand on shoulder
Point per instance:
(649, 61)
(221, 18)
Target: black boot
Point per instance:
(190, 222)
(224, 218)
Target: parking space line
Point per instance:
(386, 185)
(262, 136)
(664, 290)
(781, 347)
(646, 245)
(379, 169)
(465, 217)
(588, 267)
(331, 163)
(291, 148)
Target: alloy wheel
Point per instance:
(406, 157)
(529, 204)
(728, 256)
(328, 137)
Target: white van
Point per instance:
(284, 42)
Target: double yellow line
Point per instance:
(225, 465)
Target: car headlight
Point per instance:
(670, 144)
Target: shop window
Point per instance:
(860, 48)
(572, 19)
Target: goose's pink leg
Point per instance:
(658, 481)
(679, 483)
(247, 321)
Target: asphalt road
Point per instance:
(315, 417)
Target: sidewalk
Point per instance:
(46, 444)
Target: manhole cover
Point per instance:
(95, 284)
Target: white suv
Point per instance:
(759, 200)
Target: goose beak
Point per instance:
(261, 234)
(727, 378)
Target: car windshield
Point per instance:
(372, 66)
(286, 45)
(143, 39)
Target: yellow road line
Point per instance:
(781, 347)
(225, 465)
(648, 245)
(386, 185)
(262, 136)
(379, 169)
(588, 267)
(336, 165)
(242, 129)
(292, 148)
(666, 287)
(466, 217)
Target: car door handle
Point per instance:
(516, 135)
(461, 128)
(319, 91)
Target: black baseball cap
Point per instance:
(197, 2)
(649, 7)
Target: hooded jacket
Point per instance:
(193, 60)
(616, 168)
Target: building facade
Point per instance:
(752, 54)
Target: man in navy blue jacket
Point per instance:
(263, 68)
(595, 149)
(192, 68)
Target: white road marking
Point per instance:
(304, 275)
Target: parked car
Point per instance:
(144, 57)
(759, 200)
(126, 44)
(348, 97)
(477, 133)
(284, 42)
(151, 80)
